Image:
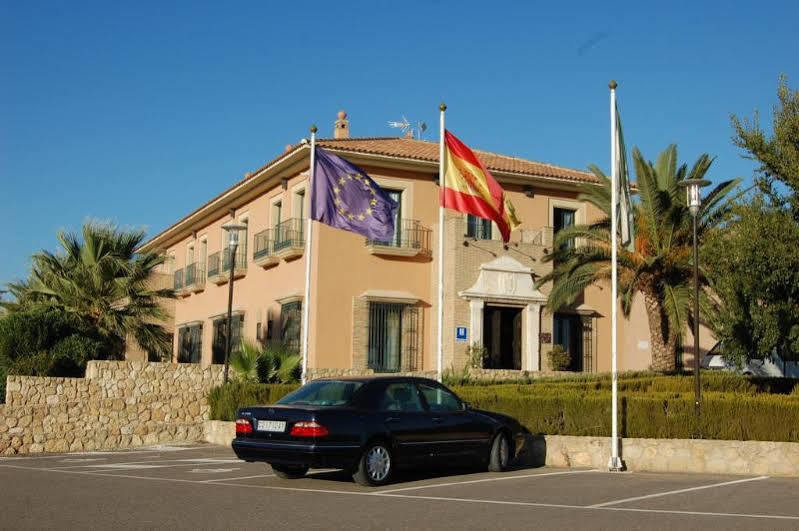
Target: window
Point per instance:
(322, 393)
(190, 344)
(568, 332)
(220, 337)
(392, 336)
(401, 397)
(478, 228)
(291, 321)
(298, 210)
(439, 398)
(277, 213)
(396, 195)
(564, 218)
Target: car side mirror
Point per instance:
(467, 405)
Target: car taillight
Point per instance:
(243, 427)
(308, 429)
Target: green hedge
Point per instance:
(655, 415)
(649, 406)
(226, 399)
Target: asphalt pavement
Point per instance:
(206, 487)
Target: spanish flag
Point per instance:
(468, 187)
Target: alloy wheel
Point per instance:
(378, 463)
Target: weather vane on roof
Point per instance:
(408, 129)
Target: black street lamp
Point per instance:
(233, 242)
(694, 200)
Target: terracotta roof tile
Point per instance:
(428, 151)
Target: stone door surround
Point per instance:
(506, 282)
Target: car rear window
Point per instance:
(322, 393)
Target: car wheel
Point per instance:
(499, 459)
(289, 472)
(375, 465)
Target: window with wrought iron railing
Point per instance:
(195, 274)
(393, 337)
(288, 233)
(219, 345)
(291, 324)
(408, 234)
(190, 343)
(178, 284)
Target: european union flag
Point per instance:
(345, 197)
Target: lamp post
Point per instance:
(694, 201)
(233, 243)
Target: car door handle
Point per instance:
(392, 419)
(437, 419)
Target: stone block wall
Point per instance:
(118, 405)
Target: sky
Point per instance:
(138, 112)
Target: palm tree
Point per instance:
(103, 282)
(659, 265)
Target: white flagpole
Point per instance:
(441, 183)
(615, 463)
(306, 301)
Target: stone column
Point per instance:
(531, 340)
(476, 321)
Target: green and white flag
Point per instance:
(624, 205)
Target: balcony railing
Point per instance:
(411, 238)
(177, 283)
(288, 238)
(195, 277)
(264, 251)
(219, 265)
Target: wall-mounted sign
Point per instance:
(546, 337)
(461, 333)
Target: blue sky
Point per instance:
(138, 112)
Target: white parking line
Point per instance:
(678, 491)
(237, 479)
(141, 450)
(503, 478)
(430, 498)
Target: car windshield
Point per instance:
(322, 393)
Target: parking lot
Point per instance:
(207, 487)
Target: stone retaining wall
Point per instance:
(118, 405)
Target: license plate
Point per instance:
(271, 425)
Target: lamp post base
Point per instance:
(615, 464)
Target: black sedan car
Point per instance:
(372, 426)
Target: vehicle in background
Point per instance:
(773, 366)
(372, 426)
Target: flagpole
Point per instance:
(441, 183)
(306, 301)
(615, 463)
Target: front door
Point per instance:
(502, 337)
(456, 433)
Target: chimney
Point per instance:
(341, 129)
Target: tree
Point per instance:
(659, 267)
(45, 342)
(753, 257)
(104, 284)
(777, 154)
(753, 265)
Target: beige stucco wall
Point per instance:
(343, 270)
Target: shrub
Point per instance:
(45, 343)
(559, 359)
(226, 399)
(651, 415)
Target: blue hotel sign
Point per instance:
(461, 333)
